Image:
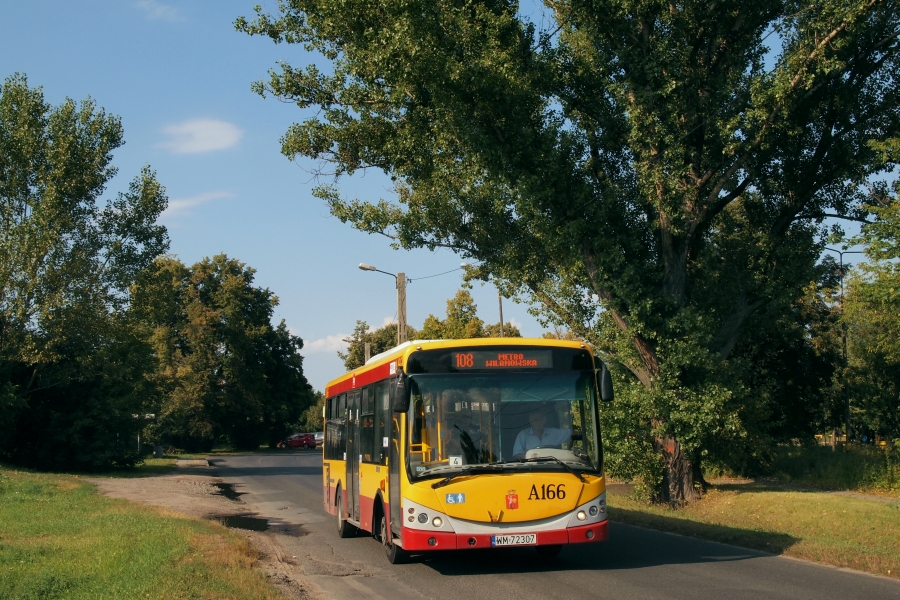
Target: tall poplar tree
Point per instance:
(650, 174)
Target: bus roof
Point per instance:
(382, 362)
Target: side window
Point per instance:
(381, 398)
(335, 443)
(367, 403)
(367, 423)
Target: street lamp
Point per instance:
(841, 254)
(400, 279)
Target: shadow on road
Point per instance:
(628, 548)
(225, 471)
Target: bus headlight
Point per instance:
(581, 515)
(437, 521)
(423, 518)
(593, 510)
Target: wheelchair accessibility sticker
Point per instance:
(456, 499)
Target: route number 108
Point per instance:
(464, 360)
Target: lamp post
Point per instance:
(400, 279)
(841, 254)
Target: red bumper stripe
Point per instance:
(416, 540)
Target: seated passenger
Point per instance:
(538, 435)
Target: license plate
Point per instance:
(523, 539)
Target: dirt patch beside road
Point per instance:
(197, 492)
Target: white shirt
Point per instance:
(527, 440)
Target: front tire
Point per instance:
(395, 554)
(344, 528)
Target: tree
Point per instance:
(509, 330)
(380, 340)
(223, 372)
(312, 419)
(70, 365)
(872, 319)
(651, 175)
(461, 322)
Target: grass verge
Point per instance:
(826, 528)
(60, 539)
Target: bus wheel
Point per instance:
(551, 551)
(345, 529)
(395, 554)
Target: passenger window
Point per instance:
(367, 425)
(381, 399)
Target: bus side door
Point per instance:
(353, 450)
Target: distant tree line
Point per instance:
(104, 338)
(461, 321)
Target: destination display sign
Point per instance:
(506, 359)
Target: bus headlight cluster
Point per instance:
(423, 518)
(581, 515)
(437, 521)
(594, 509)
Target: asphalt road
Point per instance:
(634, 563)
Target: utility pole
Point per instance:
(500, 300)
(367, 351)
(401, 308)
(400, 279)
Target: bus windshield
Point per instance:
(521, 420)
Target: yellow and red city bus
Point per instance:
(476, 443)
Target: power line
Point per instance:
(437, 275)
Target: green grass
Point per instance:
(837, 530)
(60, 539)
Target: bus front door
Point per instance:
(353, 455)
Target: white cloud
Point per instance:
(159, 12)
(331, 343)
(387, 321)
(196, 136)
(181, 207)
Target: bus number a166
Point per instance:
(548, 492)
(464, 360)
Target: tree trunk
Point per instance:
(679, 474)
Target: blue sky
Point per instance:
(179, 76)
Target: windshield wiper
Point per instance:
(564, 465)
(465, 470)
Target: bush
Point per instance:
(849, 468)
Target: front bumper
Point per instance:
(416, 540)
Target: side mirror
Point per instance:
(604, 383)
(402, 392)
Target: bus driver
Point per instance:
(538, 435)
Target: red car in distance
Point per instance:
(299, 440)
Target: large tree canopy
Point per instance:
(650, 174)
(222, 371)
(70, 364)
